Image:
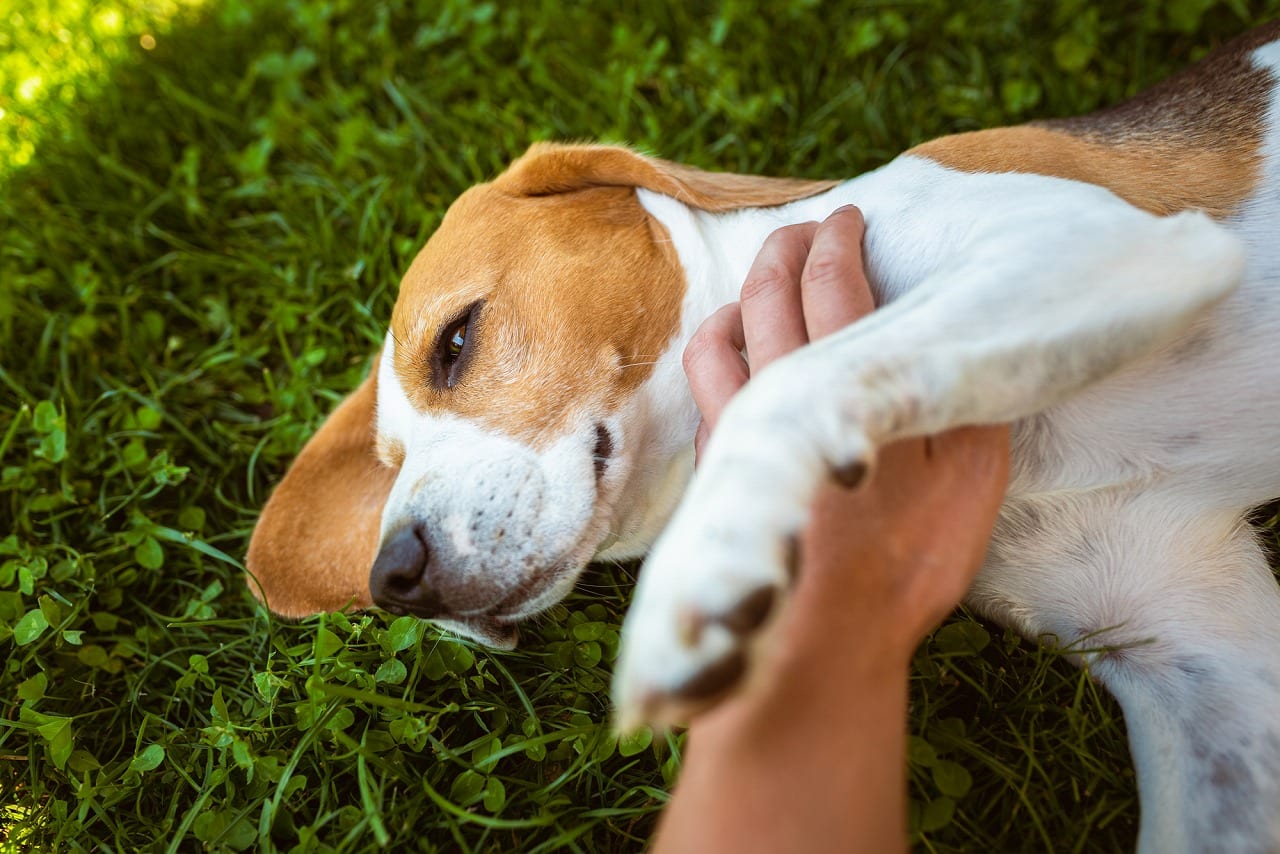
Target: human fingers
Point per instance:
(922, 529)
(957, 478)
(714, 365)
(772, 313)
(977, 456)
(833, 287)
(973, 473)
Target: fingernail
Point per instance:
(844, 208)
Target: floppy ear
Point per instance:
(318, 535)
(548, 168)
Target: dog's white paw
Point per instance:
(715, 581)
(687, 642)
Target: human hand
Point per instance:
(879, 567)
(883, 564)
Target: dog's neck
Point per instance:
(716, 252)
(717, 249)
(905, 240)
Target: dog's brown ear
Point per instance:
(318, 535)
(548, 168)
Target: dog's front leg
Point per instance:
(1010, 326)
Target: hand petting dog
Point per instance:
(811, 754)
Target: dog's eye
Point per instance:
(456, 342)
(453, 347)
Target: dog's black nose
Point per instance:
(398, 580)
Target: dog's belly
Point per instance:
(1183, 440)
(1200, 415)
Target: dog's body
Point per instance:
(531, 412)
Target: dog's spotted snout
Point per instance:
(398, 579)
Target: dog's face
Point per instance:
(522, 330)
(512, 426)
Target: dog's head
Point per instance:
(526, 413)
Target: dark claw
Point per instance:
(714, 679)
(751, 612)
(850, 476)
(747, 616)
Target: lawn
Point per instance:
(204, 212)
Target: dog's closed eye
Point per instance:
(453, 347)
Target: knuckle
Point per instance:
(700, 347)
(829, 271)
(766, 280)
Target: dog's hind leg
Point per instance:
(992, 336)
(1179, 616)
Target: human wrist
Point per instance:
(817, 638)
(835, 676)
(794, 759)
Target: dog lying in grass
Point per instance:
(1109, 284)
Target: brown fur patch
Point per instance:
(1190, 142)
(581, 287)
(318, 535)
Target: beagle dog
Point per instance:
(1108, 284)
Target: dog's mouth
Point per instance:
(531, 597)
(495, 625)
(502, 614)
(490, 631)
(482, 611)
(495, 630)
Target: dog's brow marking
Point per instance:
(556, 317)
(1193, 141)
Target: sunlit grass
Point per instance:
(15, 834)
(55, 55)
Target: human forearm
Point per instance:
(816, 763)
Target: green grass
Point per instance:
(202, 237)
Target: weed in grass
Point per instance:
(205, 211)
